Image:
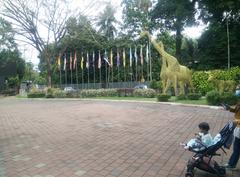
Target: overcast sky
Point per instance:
(92, 8)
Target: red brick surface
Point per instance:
(71, 138)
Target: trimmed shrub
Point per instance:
(73, 94)
(125, 92)
(181, 97)
(146, 93)
(228, 98)
(98, 93)
(163, 97)
(213, 97)
(156, 85)
(200, 82)
(59, 94)
(194, 96)
(36, 94)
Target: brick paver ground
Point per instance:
(67, 138)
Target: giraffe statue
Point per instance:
(171, 72)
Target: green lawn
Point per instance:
(202, 101)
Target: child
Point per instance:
(236, 145)
(203, 138)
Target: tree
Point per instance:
(106, 22)
(213, 44)
(175, 15)
(6, 35)
(39, 22)
(136, 16)
(11, 64)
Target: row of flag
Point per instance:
(107, 58)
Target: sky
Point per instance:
(92, 8)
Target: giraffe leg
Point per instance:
(167, 86)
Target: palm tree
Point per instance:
(106, 22)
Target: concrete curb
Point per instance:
(128, 101)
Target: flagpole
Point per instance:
(150, 60)
(88, 69)
(65, 62)
(106, 74)
(88, 78)
(93, 59)
(147, 64)
(94, 79)
(60, 75)
(76, 66)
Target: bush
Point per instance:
(194, 96)
(213, 97)
(72, 94)
(146, 93)
(200, 82)
(156, 85)
(163, 97)
(228, 98)
(36, 94)
(59, 94)
(98, 93)
(125, 92)
(181, 97)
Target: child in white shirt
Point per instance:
(202, 140)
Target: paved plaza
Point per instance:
(72, 138)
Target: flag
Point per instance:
(59, 61)
(118, 59)
(93, 59)
(82, 61)
(130, 57)
(99, 60)
(141, 55)
(106, 57)
(124, 58)
(75, 60)
(70, 66)
(87, 63)
(135, 55)
(65, 63)
(147, 54)
(111, 58)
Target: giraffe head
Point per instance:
(144, 33)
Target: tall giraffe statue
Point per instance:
(171, 72)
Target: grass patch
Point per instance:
(125, 98)
(201, 101)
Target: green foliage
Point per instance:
(200, 82)
(194, 96)
(98, 93)
(163, 97)
(229, 98)
(73, 94)
(213, 98)
(125, 92)
(13, 82)
(36, 94)
(59, 94)
(146, 93)
(157, 85)
(181, 97)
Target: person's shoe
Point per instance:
(227, 166)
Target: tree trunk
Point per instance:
(49, 73)
(178, 40)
